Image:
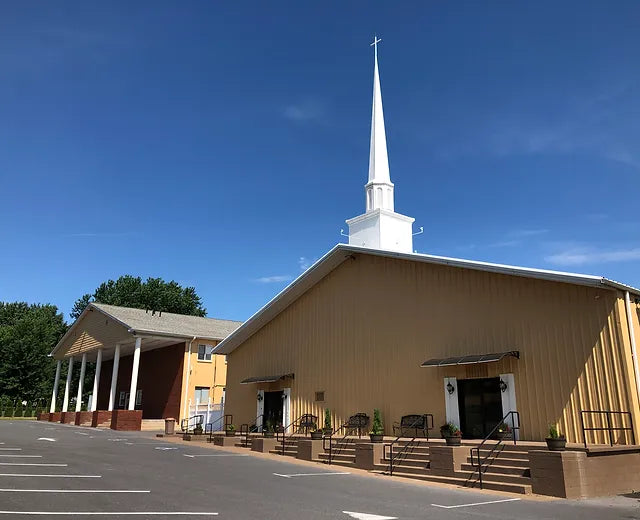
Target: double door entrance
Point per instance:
(480, 406)
(273, 409)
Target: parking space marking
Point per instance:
(10, 449)
(48, 476)
(310, 474)
(33, 464)
(477, 503)
(75, 491)
(218, 455)
(108, 513)
(22, 456)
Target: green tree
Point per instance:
(28, 334)
(154, 293)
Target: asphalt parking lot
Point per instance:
(58, 471)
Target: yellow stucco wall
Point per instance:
(211, 374)
(362, 332)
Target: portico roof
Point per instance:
(102, 326)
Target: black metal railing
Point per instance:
(340, 444)
(246, 429)
(209, 427)
(427, 421)
(515, 427)
(609, 427)
(191, 423)
(301, 422)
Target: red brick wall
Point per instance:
(159, 378)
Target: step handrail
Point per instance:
(208, 428)
(515, 425)
(282, 430)
(410, 442)
(197, 421)
(610, 429)
(246, 430)
(330, 438)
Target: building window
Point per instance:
(202, 394)
(122, 401)
(205, 352)
(320, 396)
(138, 397)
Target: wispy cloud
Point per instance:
(99, 234)
(505, 243)
(304, 263)
(274, 279)
(307, 111)
(523, 233)
(586, 255)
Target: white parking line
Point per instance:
(22, 456)
(310, 474)
(47, 476)
(10, 449)
(109, 513)
(218, 455)
(33, 464)
(74, 491)
(477, 503)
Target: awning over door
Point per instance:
(470, 359)
(265, 379)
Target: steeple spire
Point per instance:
(379, 189)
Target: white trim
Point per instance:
(286, 407)
(260, 409)
(509, 400)
(451, 402)
(56, 382)
(632, 337)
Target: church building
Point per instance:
(374, 325)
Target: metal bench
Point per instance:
(358, 422)
(414, 425)
(307, 422)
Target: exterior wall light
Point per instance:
(284, 396)
(450, 388)
(260, 396)
(503, 386)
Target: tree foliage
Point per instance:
(154, 293)
(28, 333)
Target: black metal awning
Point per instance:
(470, 360)
(265, 379)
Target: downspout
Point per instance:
(186, 386)
(634, 353)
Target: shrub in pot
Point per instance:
(504, 431)
(377, 429)
(230, 430)
(556, 440)
(269, 431)
(198, 430)
(328, 429)
(451, 434)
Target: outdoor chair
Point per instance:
(356, 423)
(307, 423)
(414, 425)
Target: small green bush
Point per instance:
(377, 427)
(327, 419)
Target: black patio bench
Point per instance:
(358, 422)
(414, 424)
(307, 423)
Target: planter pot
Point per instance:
(455, 440)
(230, 433)
(376, 437)
(504, 436)
(558, 444)
(327, 431)
(197, 432)
(269, 435)
(316, 435)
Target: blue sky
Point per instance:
(223, 144)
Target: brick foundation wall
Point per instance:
(83, 418)
(44, 416)
(159, 378)
(68, 417)
(54, 416)
(101, 418)
(126, 420)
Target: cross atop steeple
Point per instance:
(375, 43)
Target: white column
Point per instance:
(67, 387)
(260, 410)
(286, 408)
(56, 382)
(114, 377)
(96, 382)
(509, 400)
(451, 401)
(134, 374)
(83, 368)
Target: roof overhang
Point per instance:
(470, 359)
(342, 252)
(265, 379)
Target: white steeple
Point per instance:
(380, 227)
(378, 158)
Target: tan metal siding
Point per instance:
(362, 332)
(94, 325)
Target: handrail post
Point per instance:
(608, 415)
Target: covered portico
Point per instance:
(131, 349)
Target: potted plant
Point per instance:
(230, 430)
(269, 431)
(451, 434)
(504, 431)
(316, 433)
(198, 430)
(327, 422)
(556, 440)
(377, 429)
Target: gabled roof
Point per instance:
(154, 323)
(342, 252)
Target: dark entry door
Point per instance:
(273, 408)
(480, 405)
